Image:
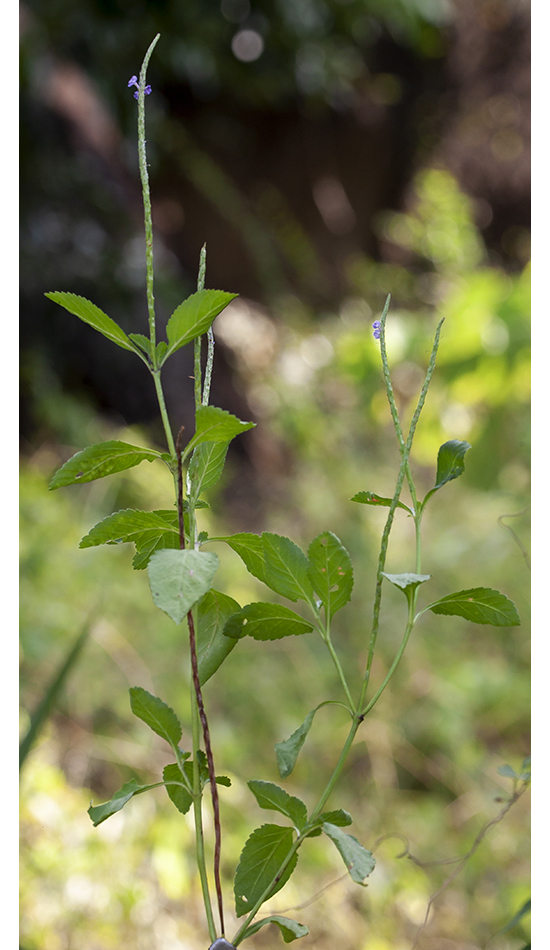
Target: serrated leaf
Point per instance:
(330, 571)
(286, 568)
(263, 621)
(143, 342)
(194, 316)
(161, 350)
(262, 856)
(269, 795)
(97, 461)
(213, 612)
(99, 813)
(206, 466)
(131, 524)
(479, 605)
(450, 461)
(369, 498)
(406, 582)
(290, 929)
(250, 549)
(89, 313)
(178, 794)
(178, 579)
(288, 750)
(359, 862)
(156, 714)
(216, 425)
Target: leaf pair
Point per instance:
(324, 576)
(189, 320)
(177, 777)
(269, 856)
(450, 464)
(478, 604)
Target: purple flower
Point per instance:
(134, 82)
(376, 329)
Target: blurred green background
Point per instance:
(328, 152)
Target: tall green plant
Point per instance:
(181, 574)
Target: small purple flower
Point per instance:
(376, 329)
(134, 82)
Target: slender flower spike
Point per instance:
(134, 82)
(376, 329)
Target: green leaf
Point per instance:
(286, 568)
(479, 605)
(288, 750)
(368, 498)
(143, 342)
(179, 795)
(99, 813)
(161, 350)
(406, 582)
(97, 461)
(89, 313)
(131, 524)
(340, 817)
(272, 796)
(206, 466)
(215, 425)
(250, 549)
(262, 856)
(156, 714)
(359, 862)
(330, 571)
(450, 461)
(266, 622)
(194, 316)
(213, 612)
(290, 929)
(178, 579)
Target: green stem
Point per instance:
(326, 637)
(197, 808)
(146, 196)
(397, 658)
(162, 406)
(197, 344)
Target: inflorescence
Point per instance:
(134, 82)
(376, 329)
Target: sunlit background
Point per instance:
(328, 152)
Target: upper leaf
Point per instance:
(156, 714)
(89, 313)
(272, 796)
(194, 316)
(330, 571)
(143, 342)
(131, 524)
(97, 461)
(178, 579)
(286, 568)
(99, 813)
(480, 605)
(368, 498)
(262, 856)
(359, 862)
(215, 425)
(290, 929)
(213, 612)
(288, 750)
(450, 461)
(266, 622)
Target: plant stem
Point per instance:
(162, 406)
(197, 344)
(146, 196)
(197, 809)
(326, 637)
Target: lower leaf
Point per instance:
(290, 929)
(262, 856)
